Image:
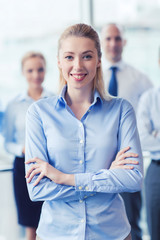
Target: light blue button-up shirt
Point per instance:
(93, 209)
(149, 122)
(13, 127)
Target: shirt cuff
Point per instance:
(84, 182)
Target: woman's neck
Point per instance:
(79, 96)
(35, 93)
(79, 101)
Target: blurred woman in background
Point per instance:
(33, 69)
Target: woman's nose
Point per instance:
(78, 64)
(35, 74)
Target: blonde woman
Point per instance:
(82, 149)
(33, 69)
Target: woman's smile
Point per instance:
(79, 77)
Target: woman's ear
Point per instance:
(58, 62)
(124, 42)
(99, 63)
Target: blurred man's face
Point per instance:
(113, 43)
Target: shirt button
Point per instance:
(82, 220)
(89, 110)
(80, 161)
(85, 196)
(80, 125)
(81, 141)
(80, 187)
(80, 201)
(86, 187)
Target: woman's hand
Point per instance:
(44, 169)
(121, 161)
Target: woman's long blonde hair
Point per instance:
(84, 30)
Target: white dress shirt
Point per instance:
(131, 82)
(148, 117)
(13, 128)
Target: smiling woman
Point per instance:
(89, 54)
(78, 65)
(33, 68)
(82, 148)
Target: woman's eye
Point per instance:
(41, 70)
(87, 57)
(69, 57)
(29, 70)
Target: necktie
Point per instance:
(112, 89)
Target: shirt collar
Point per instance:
(120, 65)
(97, 98)
(61, 102)
(24, 96)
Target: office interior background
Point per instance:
(37, 25)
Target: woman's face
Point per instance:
(78, 61)
(34, 71)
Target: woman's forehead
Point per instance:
(73, 43)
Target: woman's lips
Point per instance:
(78, 77)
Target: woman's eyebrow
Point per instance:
(88, 51)
(68, 52)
